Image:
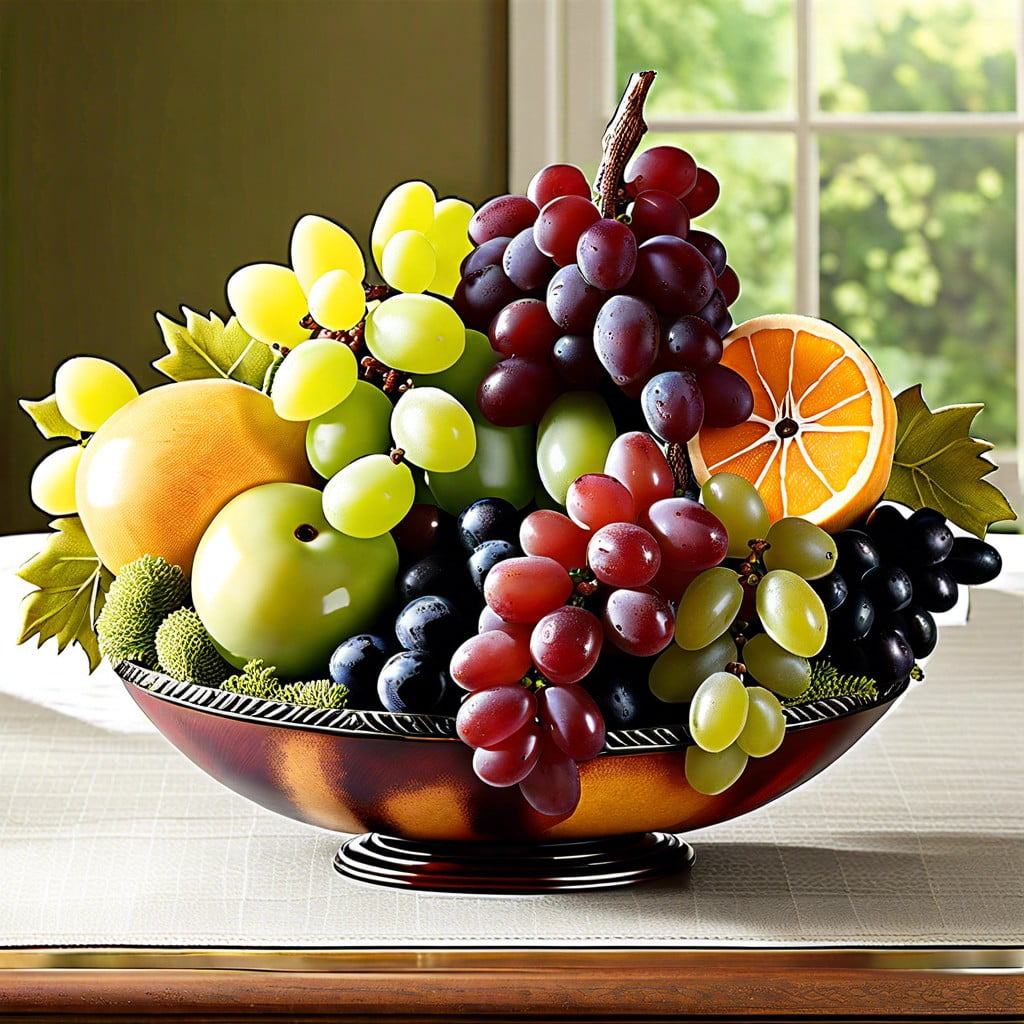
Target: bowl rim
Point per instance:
(390, 725)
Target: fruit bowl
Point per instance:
(408, 781)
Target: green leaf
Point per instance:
(937, 464)
(71, 587)
(207, 347)
(48, 419)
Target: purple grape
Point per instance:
(692, 344)
(728, 399)
(658, 213)
(518, 391)
(572, 303)
(524, 264)
(487, 255)
(673, 275)
(716, 313)
(481, 295)
(523, 328)
(576, 361)
(503, 215)
(673, 405)
(606, 254)
(710, 248)
(626, 335)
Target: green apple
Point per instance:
(272, 579)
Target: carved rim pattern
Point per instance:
(392, 725)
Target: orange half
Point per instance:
(819, 443)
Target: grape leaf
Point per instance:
(72, 586)
(939, 465)
(207, 347)
(48, 419)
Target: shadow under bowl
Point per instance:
(404, 785)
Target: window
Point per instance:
(868, 156)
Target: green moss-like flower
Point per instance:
(255, 680)
(186, 651)
(144, 593)
(320, 693)
(827, 681)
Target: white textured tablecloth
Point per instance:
(109, 836)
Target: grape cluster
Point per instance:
(574, 300)
(891, 577)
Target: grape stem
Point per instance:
(619, 142)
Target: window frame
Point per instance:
(549, 121)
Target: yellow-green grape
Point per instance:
(573, 438)
(712, 774)
(774, 667)
(415, 333)
(736, 502)
(707, 608)
(269, 303)
(409, 206)
(337, 300)
(434, 430)
(53, 481)
(463, 377)
(369, 496)
(313, 379)
(677, 674)
(319, 245)
(450, 236)
(358, 426)
(409, 261)
(718, 711)
(90, 390)
(766, 724)
(801, 547)
(791, 612)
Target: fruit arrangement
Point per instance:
(534, 482)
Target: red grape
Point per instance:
(692, 344)
(489, 659)
(560, 224)
(486, 717)
(704, 193)
(524, 328)
(666, 168)
(728, 399)
(729, 285)
(503, 215)
(557, 180)
(690, 537)
(673, 274)
(576, 362)
(596, 499)
(553, 535)
(606, 254)
(673, 405)
(710, 248)
(480, 295)
(526, 266)
(658, 213)
(510, 761)
(624, 555)
(572, 303)
(626, 335)
(517, 391)
(566, 644)
(519, 631)
(526, 589)
(636, 461)
(638, 622)
(553, 787)
(573, 719)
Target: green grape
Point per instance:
(677, 674)
(712, 774)
(503, 467)
(707, 608)
(337, 300)
(269, 303)
(573, 438)
(791, 612)
(369, 496)
(801, 547)
(358, 426)
(313, 379)
(90, 390)
(409, 261)
(462, 379)
(718, 711)
(53, 481)
(408, 206)
(415, 333)
(450, 237)
(766, 724)
(434, 430)
(774, 667)
(736, 502)
(319, 245)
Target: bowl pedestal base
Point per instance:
(512, 868)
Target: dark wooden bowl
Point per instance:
(405, 785)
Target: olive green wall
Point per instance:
(150, 147)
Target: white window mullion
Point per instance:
(805, 198)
